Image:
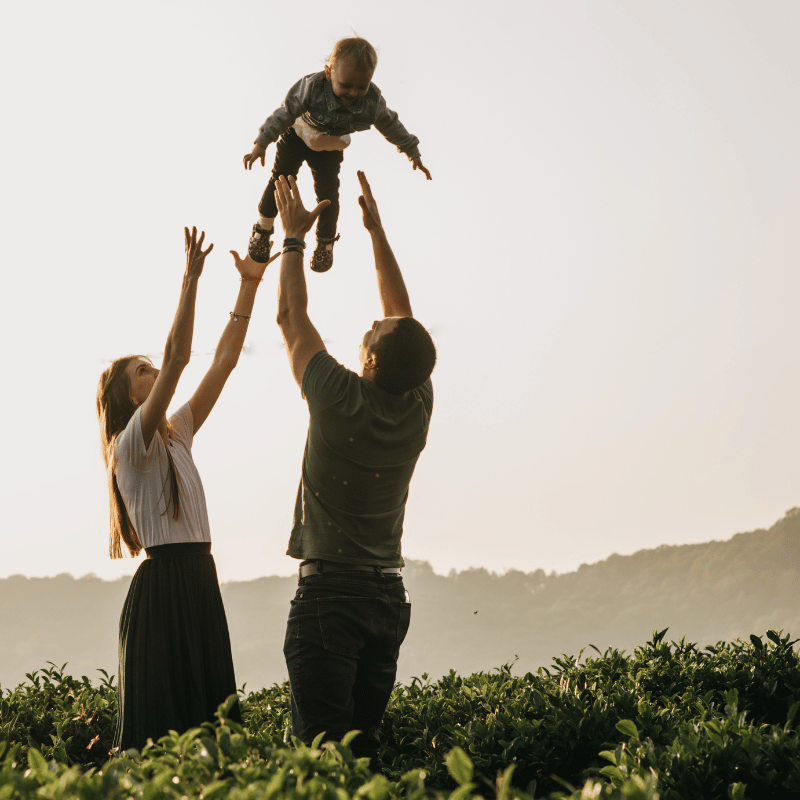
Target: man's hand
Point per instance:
(195, 255)
(250, 270)
(296, 220)
(416, 163)
(257, 155)
(369, 208)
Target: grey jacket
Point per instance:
(313, 99)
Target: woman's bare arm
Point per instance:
(178, 348)
(226, 356)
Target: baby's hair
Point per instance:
(356, 51)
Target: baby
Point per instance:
(314, 125)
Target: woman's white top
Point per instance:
(143, 480)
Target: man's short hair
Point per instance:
(405, 357)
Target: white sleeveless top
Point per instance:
(143, 480)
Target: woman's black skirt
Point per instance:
(175, 664)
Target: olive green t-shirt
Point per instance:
(362, 447)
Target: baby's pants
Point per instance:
(291, 152)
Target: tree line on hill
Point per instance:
(470, 621)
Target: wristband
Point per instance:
(292, 249)
(291, 240)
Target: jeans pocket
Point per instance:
(303, 623)
(403, 621)
(345, 623)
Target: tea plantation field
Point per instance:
(672, 721)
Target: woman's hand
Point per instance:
(295, 218)
(250, 270)
(257, 155)
(195, 255)
(369, 208)
(416, 163)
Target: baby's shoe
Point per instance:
(259, 246)
(322, 260)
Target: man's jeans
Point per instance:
(290, 154)
(342, 642)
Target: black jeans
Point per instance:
(290, 154)
(342, 642)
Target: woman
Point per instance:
(175, 664)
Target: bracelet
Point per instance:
(235, 316)
(293, 240)
(292, 249)
(249, 280)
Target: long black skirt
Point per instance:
(175, 664)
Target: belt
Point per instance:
(178, 549)
(321, 567)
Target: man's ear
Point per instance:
(371, 362)
(327, 72)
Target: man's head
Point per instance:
(397, 354)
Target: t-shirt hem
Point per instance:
(368, 561)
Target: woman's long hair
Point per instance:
(114, 411)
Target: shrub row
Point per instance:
(670, 721)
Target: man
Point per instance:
(350, 614)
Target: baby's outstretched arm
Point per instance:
(416, 163)
(257, 154)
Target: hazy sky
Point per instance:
(607, 258)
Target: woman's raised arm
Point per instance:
(226, 356)
(178, 348)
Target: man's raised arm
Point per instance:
(391, 286)
(301, 337)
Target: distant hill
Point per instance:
(468, 621)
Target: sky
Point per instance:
(607, 259)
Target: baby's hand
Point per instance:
(417, 164)
(258, 154)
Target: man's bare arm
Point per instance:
(301, 337)
(391, 286)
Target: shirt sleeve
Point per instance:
(130, 449)
(279, 121)
(388, 123)
(325, 381)
(425, 393)
(182, 424)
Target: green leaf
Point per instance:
(732, 697)
(504, 783)
(791, 715)
(317, 740)
(757, 643)
(349, 736)
(459, 765)
(609, 755)
(216, 789)
(615, 774)
(774, 637)
(37, 763)
(736, 791)
(462, 792)
(659, 635)
(627, 727)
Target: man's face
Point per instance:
(380, 328)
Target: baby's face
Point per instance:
(349, 83)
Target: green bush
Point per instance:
(671, 721)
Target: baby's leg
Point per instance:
(290, 153)
(325, 167)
